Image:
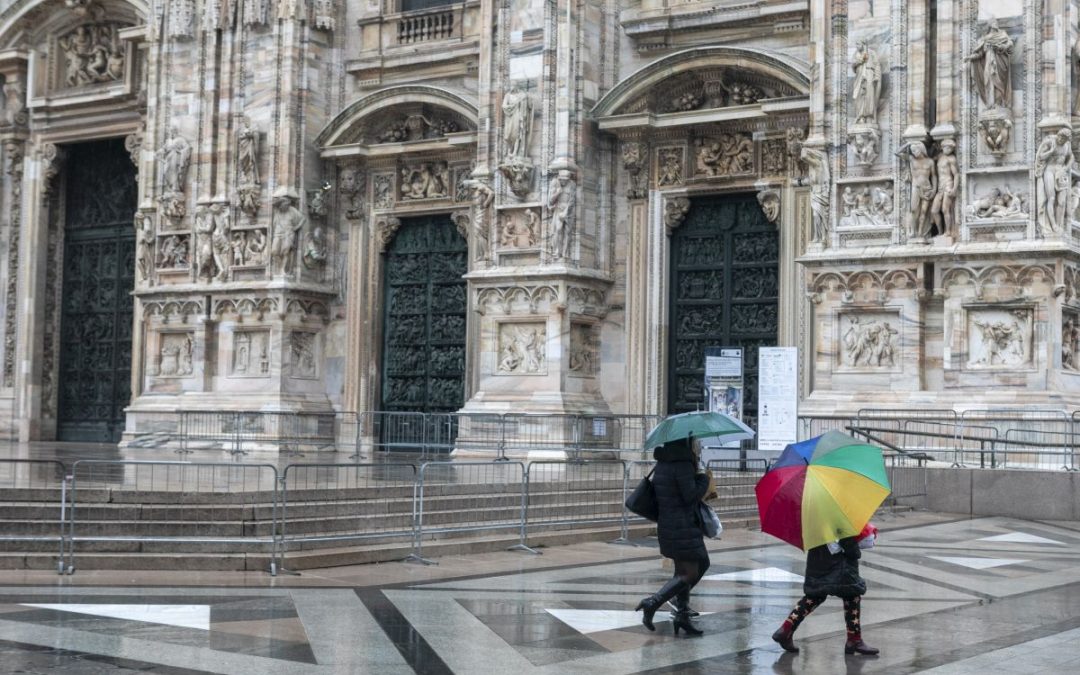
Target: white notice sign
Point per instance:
(778, 397)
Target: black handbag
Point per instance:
(642, 500)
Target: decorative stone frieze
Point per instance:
(635, 160)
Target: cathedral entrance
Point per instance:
(96, 304)
(723, 292)
(424, 317)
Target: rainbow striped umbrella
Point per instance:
(821, 490)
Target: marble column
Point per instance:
(918, 19)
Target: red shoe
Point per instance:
(858, 647)
(782, 637)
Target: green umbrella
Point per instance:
(699, 425)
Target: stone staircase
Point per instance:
(233, 531)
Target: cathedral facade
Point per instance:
(532, 205)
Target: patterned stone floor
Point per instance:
(947, 596)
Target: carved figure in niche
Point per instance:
(582, 354)
(866, 142)
(948, 177)
(204, 245)
(670, 169)
(517, 109)
(173, 252)
(866, 89)
(923, 187)
(237, 245)
(870, 343)
(773, 160)
(730, 154)
(315, 248)
(175, 156)
(770, 205)
(14, 102)
(1002, 341)
(302, 354)
(241, 353)
(93, 55)
(819, 178)
(847, 202)
(1053, 181)
(998, 203)
(351, 188)
(219, 214)
(1070, 343)
(534, 350)
(519, 174)
(995, 132)
(384, 188)
(287, 223)
(255, 252)
(520, 230)
(562, 200)
(991, 67)
(247, 156)
(482, 197)
(175, 355)
(144, 239)
(425, 181)
(634, 158)
(511, 356)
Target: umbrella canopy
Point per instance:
(699, 425)
(821, 490)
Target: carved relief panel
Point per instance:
(724, 155)
(250, 354)
(1070, 340)
(869, 340)
(999, 337)
(303, 355)
(522, 348)
(88, 55)
(175, 355)
(584, 358)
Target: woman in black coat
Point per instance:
(679, 486)
(830, 573)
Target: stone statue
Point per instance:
(247, 155)
(819, 178)
(948, 176)
(866, 90)
(219, 214)
(287, 223)
(991, 69)
(1053, 181)
(315, 248)
(204, 243)
(175, 156)
(144, 238)
(562, 200)
(995, 133)
(517, 108)
(482, 197)
(14, 102)
(923, 187)
(867, 140)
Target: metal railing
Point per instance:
(39, 485)
(735, 481)
(293, 432)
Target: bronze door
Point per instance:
(96, 304)
(723, 292)
(424, 312)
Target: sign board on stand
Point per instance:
(778, 397)
(723, 394)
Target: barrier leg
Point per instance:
(624, 533)
(521, 545)
(63, 523)
(417, 555)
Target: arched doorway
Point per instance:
(424, 317)
(94, 383)
(723, 292)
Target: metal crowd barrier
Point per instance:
(633, 472)
(290, 431)
(211, 506)
(735, 480)
(446, 504)
(326, 503)
(562, 493)
(1035, 433)
(37, 481)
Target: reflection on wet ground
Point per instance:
(946, 596)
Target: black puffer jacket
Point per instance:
(679, 488)
(834, 574)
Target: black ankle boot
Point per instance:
(681, 603)
(860, 647)
(682, 621)
(649, 605)
(783, 636)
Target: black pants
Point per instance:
(690, 570)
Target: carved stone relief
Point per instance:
(770, 205)
(669, 166)
(323, 13)
(93, 54)
(522, 348)
(248, 146)
(518, 119)
(174, 161)
(727, 155)
(562, 203)
(52, 159)
(251, 353)
(635, 159)
(173, 252)
(425, 180)
(999, 338)
(288, 221)
(995, 132)
(384, 191)
(414, 127)
(175, 355)
(213, 242)
(248, 248)
(519, 229)
(14, 113)
(773, 156)
(584, 357)
(315, 252)
(1000, 202)
(708, 89)
(1054, 173)
(181, 18)
(866, 205)
(866, 142)
(991, 73)
(1070, 341)
(352, 182)
(14, 154)
(869, 340)
(385, 229)
(303, 363)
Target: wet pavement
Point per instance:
(947, 596)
